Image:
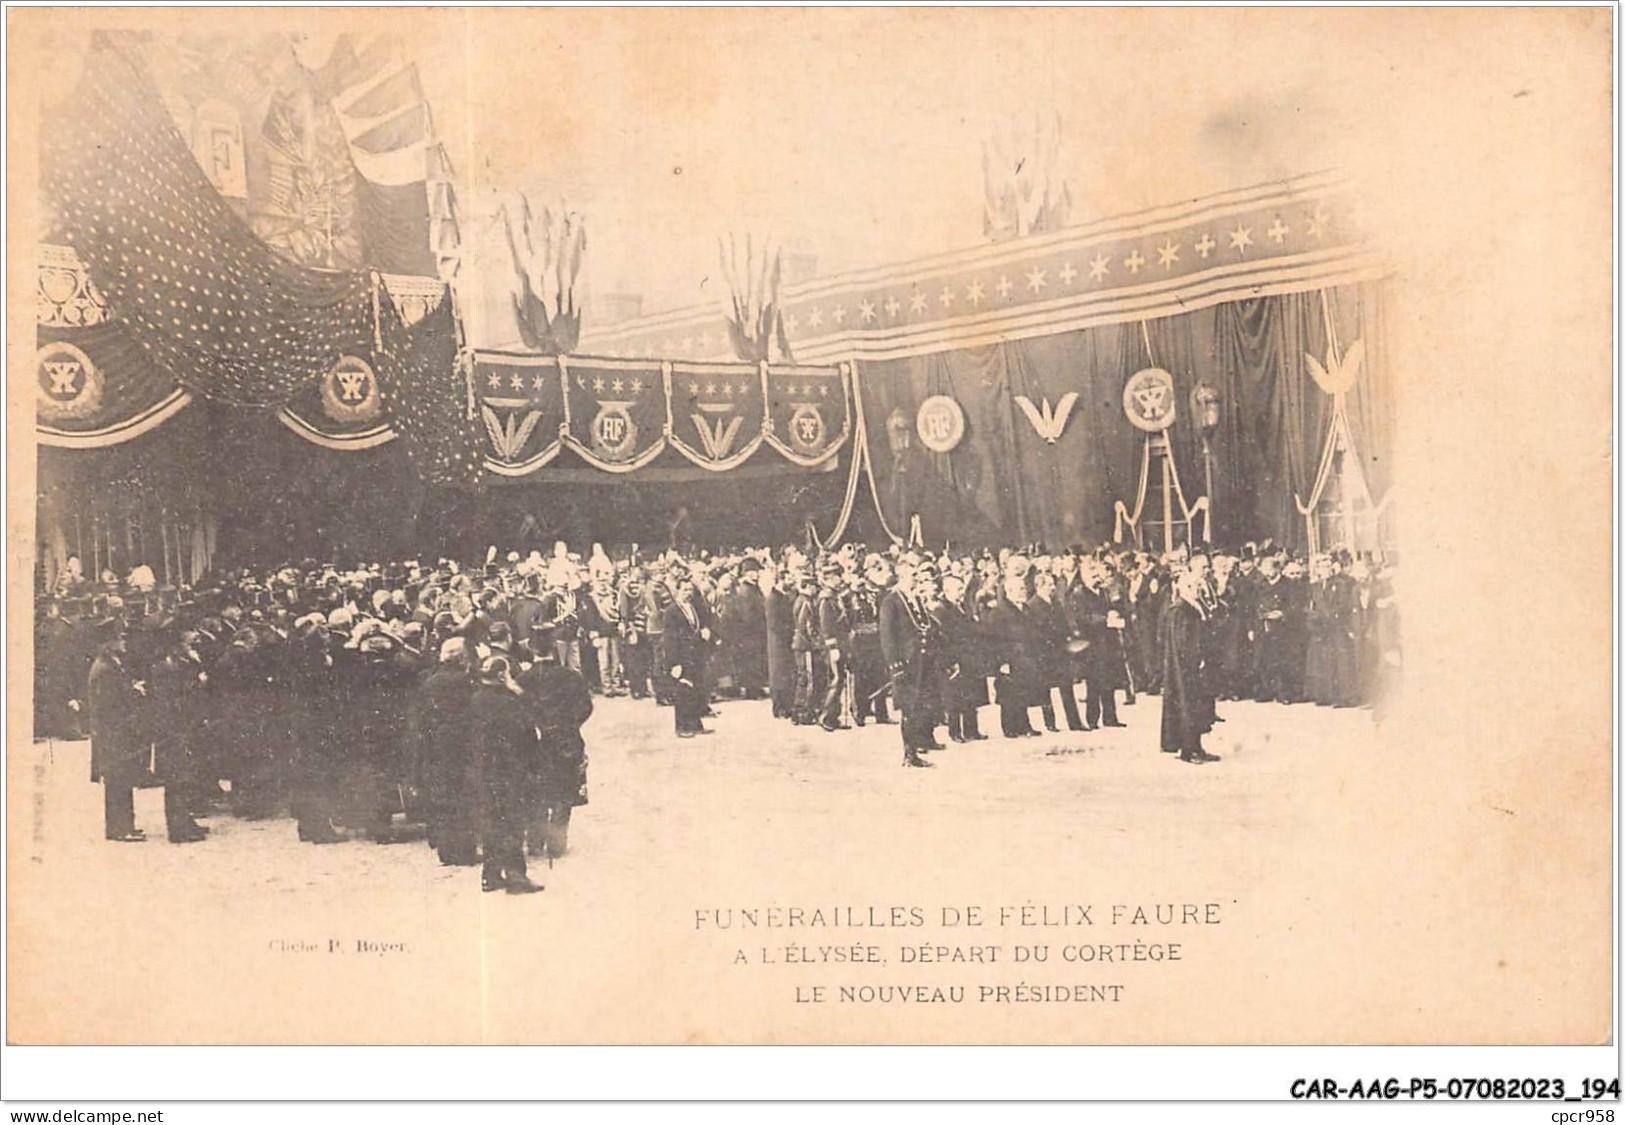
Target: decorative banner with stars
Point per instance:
(521, 403)
(808, 412)
(1294, 235)
(716, 412)
(210, 303)
(615, 412)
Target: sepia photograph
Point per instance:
(1066, 526)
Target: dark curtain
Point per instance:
(1370, 404)
(1006, 483)
(273, 496)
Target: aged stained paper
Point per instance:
(1441, 878)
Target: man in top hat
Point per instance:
(964, 682)
(181, 696)
(120, 751)
(1187, 709)
(560, 703)
(504, 738)
(445, 766)
(778, 605)
(1098, 622)
(1051, 641)
(743, 619)
(686, 645)
(1017, 679)
(318, 715)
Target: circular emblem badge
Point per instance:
(614, 434)
(941, 424)
(350, 391)
(1148, 400)
(69, 385)
(807, 429)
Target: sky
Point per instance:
(852, 135)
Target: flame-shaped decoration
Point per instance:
(547, 255)
(755, 326)
(1338, 375)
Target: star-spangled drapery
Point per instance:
(1007, 481)
(424, 398)
(208, 301)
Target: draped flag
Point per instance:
(521, 404)
(207, 300)
(808, 412)
(423, 398)
(716, 412)
(616, 412)
(408, 204)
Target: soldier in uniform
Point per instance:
(560, 703)
(656, 600)
(526, 608)
(636, 649)
(504, 739)
(562, 610)
(835, 647)
(909, 642)
(605, 633)
(869, 680)
(807, 645)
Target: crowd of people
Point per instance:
(446, 702)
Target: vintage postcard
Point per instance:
(810, 526)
